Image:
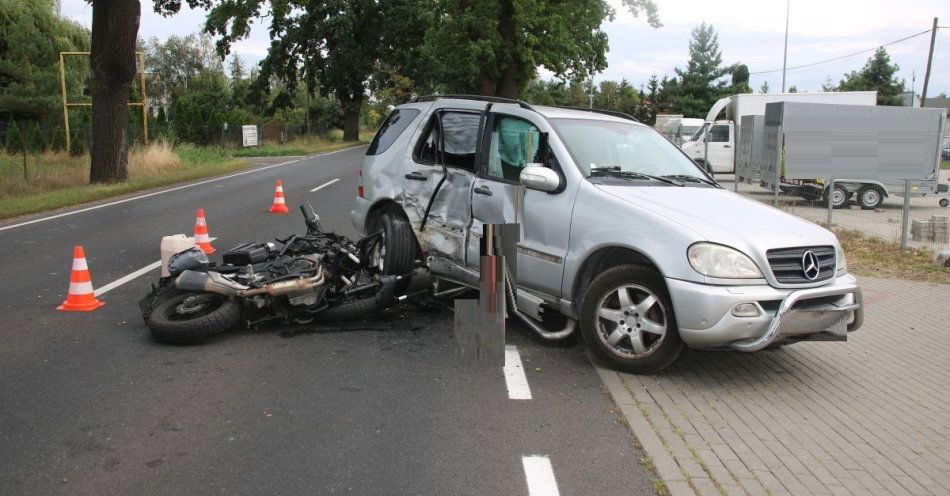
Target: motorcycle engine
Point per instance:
(301, 264)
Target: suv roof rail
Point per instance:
(481, 98)
(601, 111)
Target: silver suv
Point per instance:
(622, 235)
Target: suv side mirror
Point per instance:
(536, 176)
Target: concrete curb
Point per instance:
(664, 464)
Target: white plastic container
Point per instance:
(172, 245)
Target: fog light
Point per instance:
(745, 310)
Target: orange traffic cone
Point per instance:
(279, 206)
(201, 233)
(80, 297)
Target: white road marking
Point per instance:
(515, 379)
(124, 279)
(540, 475)
(169, 190)
(324, 185)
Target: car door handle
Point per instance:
(482, 190)
(416, 176)
(726, 146)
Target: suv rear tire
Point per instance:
(627, 320)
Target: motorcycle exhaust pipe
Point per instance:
(211, 282)
(290, 286)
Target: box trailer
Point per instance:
(750, 155)
(716, 148)
(867, 151)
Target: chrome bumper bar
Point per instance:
(831, 318)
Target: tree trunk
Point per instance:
(115, 26)
(351, 116)
(509, 83)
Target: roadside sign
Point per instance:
(249, 135)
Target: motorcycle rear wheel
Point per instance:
(184, 317)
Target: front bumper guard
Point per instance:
(789, 320)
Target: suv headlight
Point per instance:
(721, 261)
(842, 260)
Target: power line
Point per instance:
(842, 57)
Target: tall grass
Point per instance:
(156, 158)
(56, 179)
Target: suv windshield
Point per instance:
(624, 147)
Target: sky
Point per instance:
(750, 31)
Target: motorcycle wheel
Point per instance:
(348, 310)
(183, 317)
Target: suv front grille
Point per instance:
(786, 264)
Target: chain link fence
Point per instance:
(912, 213)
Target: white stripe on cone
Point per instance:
(200, 222)
(279, 199)
(202, 238)
(80, 288)
(80, 264)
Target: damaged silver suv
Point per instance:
(622, 235)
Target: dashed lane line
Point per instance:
(124, 279)
(540, 475)
(169, 190)
(515, 379)
(324, 185)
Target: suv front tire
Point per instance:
(627, 320)
(395, 251)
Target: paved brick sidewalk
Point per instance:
(869, 416)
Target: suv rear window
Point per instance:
(393, 126)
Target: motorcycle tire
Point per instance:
(184, 317)
(354, 309)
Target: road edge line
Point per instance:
(126, 278)
(324, 185)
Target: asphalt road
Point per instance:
(89, 404)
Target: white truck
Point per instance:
(715, 147)
(677, 128)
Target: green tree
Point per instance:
(878, 74)
(200, 111)
(793, 89)
(740, 79)
(700, 84)
(177, 60)
(764, 88)
(494, 47)
(31, 37)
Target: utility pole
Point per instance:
(930, 59)
(785, 55)
(590, 97)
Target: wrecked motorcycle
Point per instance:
(301, 278)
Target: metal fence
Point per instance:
(913, 214)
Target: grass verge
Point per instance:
(299, 146)
(868, 256)
(56, 180)
(945, 164)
